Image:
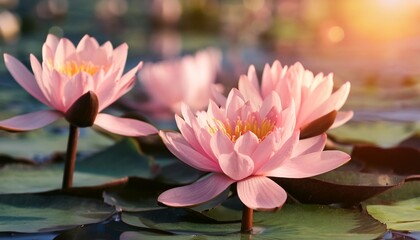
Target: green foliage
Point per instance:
(46, 213)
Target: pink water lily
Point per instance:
(245, 143)
(68, 72)
(313, 96)
(188, 79)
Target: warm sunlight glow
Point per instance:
(381, 20)
(336, 34)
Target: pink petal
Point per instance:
(65, 50)
(188, 115)
(335, 102)
(196, 193)
(87, 48)
(283, 154)
(316, 96)
(127, 80)
(217, 96)
(311, 164)
(204, 138)
(294, 78)
(124, 126)
(221, 144)
(30, 121)
(184, 152)
(25, 79)
(267, 84)
(214, 111)
(270, 102)
(246, 144)
(339, 97)
(309, 145)
(101, 56)
(54, 83)
(288, 121)
(106, 89)
(276, 71)
(263, 151)
(202, 135)
(341, 118)
(74, 87)
(233, 103)
(119, 57)
(261, 193)
(109, 51)
(43, 82)
(252, 77)
(187, 132)
(191, 138)
(235, 165)
(121, 87)
(249, 92)
(51, 44)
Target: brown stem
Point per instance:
(70, 157)
(246, 226)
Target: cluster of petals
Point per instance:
(67, 72)
(313, 96)
(188, 79)
(245, 143)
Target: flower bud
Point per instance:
(83, 111)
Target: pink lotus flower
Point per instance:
(245, 143)
(188, 79)
(313, 96)
(68, 72)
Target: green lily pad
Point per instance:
(41, 213)
(403, 215)
(397, 160)
(174, 172)
(291, 222)
(118, 161)
(410, 189)
(343, 187)
(40, 144)
(137, 195)
(381, 133)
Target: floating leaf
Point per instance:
(175, 172)
(383, 134)
(410, 189)
(138, 195)
(40, 144)
(291, 222)
(110, 229)
(41, 213)
(345, 187)
(397, 160)
(116, 162)
(403, 215)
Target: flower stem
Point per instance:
(70, 157)
(246, 226)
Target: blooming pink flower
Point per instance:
(245, 143)
(68, 72)
(313, 95)
(188, 79)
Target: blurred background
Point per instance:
(374, 44)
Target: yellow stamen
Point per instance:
(71, 68)
(261, 128)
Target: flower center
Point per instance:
(71, 68)
(260, 127)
